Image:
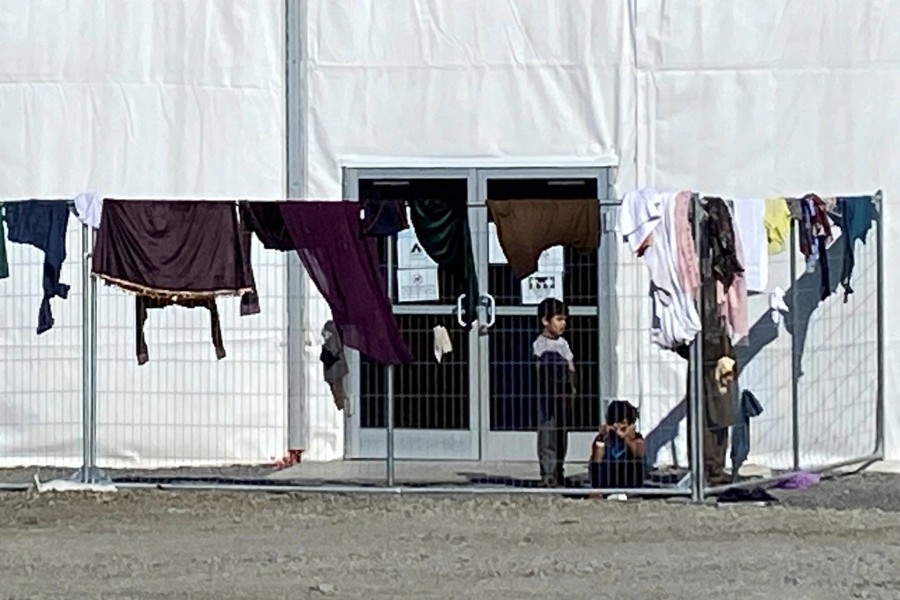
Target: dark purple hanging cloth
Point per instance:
(172, 248)
(173, 252)
(346, 271)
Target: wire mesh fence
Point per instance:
(467, 414)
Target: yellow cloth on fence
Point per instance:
(778, 224)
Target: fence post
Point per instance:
(879, 282)
(795, 353)
(695, 389)
(83, 474)
(389, 425)
(89, 473)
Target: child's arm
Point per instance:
(598, 449)
(634, 441)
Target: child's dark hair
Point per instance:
(551, 307)
(621, 410)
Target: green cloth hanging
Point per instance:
(442, 228)
(4, 265)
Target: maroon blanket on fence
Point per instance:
(172, 248)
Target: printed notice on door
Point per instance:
(417, 285)
(540, 286)
(410, 254)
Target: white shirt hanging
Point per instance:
(749, 219)
(89, 206)
(675, 318)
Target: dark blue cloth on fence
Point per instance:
(857, 214)
(748, 407)
(42, 224)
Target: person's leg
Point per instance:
(715, 444)
(547, 449)
(562, 447)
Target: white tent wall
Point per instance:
(175, 99)
(434, 83)
(747, 99)
(767, 98)
(135, 99)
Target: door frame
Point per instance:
(514, 446)
(478, 442)
(412, 444)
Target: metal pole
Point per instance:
(93, 475)
(389, 415)
(389, 376)
(695, 399)
(86, 356)
(879, 282)
(795, 353)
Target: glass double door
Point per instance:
(478, 401)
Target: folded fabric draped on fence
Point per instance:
(345, 269)
(174, 248)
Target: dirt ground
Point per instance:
(840, 540)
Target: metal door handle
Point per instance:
(459, 310)
(490, 305)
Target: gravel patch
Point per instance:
(153, 544)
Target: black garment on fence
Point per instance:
(442, 229)
(144, 303)
(42, 224)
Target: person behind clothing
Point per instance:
(555, 376)
(617, 454)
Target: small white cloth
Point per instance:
(89, 206)
(777, 306)
(442, 343)
(750, 223)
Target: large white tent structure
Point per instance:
(266, 99)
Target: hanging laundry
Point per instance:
(442, 343)
(645, 213)
(382, 217)
(724, 373)
(777, 307)
(172, 252)
(749, 407)
(732, 300)
(172, 248)
(263, 219)
(688, 263)
(442, 229)
(144, 303)
(857, 215)
(89, 208)
(749, 219)
(723, 247)
(778, 224)
(334, 363)
(346, 271)
(526, 228)
(640, 213)
(719, 376)
(4, 264)
(815, 233)
(42, 224)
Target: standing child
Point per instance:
(555, 376)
